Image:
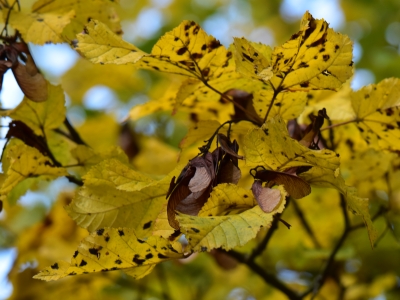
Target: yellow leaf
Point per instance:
(202, 131)
(41, 28)
(186, 50)
(100, 45)
(117, 174)
(227, 232)
(314, 58)
(226, 199)
(42, 116)
(377, 109)
(272, 148)
(97, 205)
(188, 87)
(253, 59)
(161, 224)
(110, 249)
(84, 11)
(87, 157)
(26, 162)
(289, 105)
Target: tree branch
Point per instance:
(320, 279)
(305, 224)
(263, 245)
(268, 278)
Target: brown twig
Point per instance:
(74, 135)
(267, 277)
(305, 224)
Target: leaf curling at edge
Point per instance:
(266, 197)
(272, 148)
(205, 233)
(109, 249)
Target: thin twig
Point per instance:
(338, 124)
(267, 277)
(305, 224)
(73, 133)
(320, 279)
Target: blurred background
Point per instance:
(105, 94)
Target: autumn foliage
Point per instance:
(266, 128)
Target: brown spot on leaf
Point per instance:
(181, 51)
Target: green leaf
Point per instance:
(205, 233)
(110, 249)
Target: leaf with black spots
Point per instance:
(316, 58)
(121, 252)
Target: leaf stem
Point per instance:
(338, 124)
(276, 92)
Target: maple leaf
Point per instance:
(109, 249)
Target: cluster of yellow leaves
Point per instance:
(124, 209)
(58, 21)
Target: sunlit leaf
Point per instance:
(185, 50)
(314, 58)
(84, 11)
(26, 162)
(41, 28)
(109, 249)
(253, 59)
(378, 114)
(42, 116)
(100, 45)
